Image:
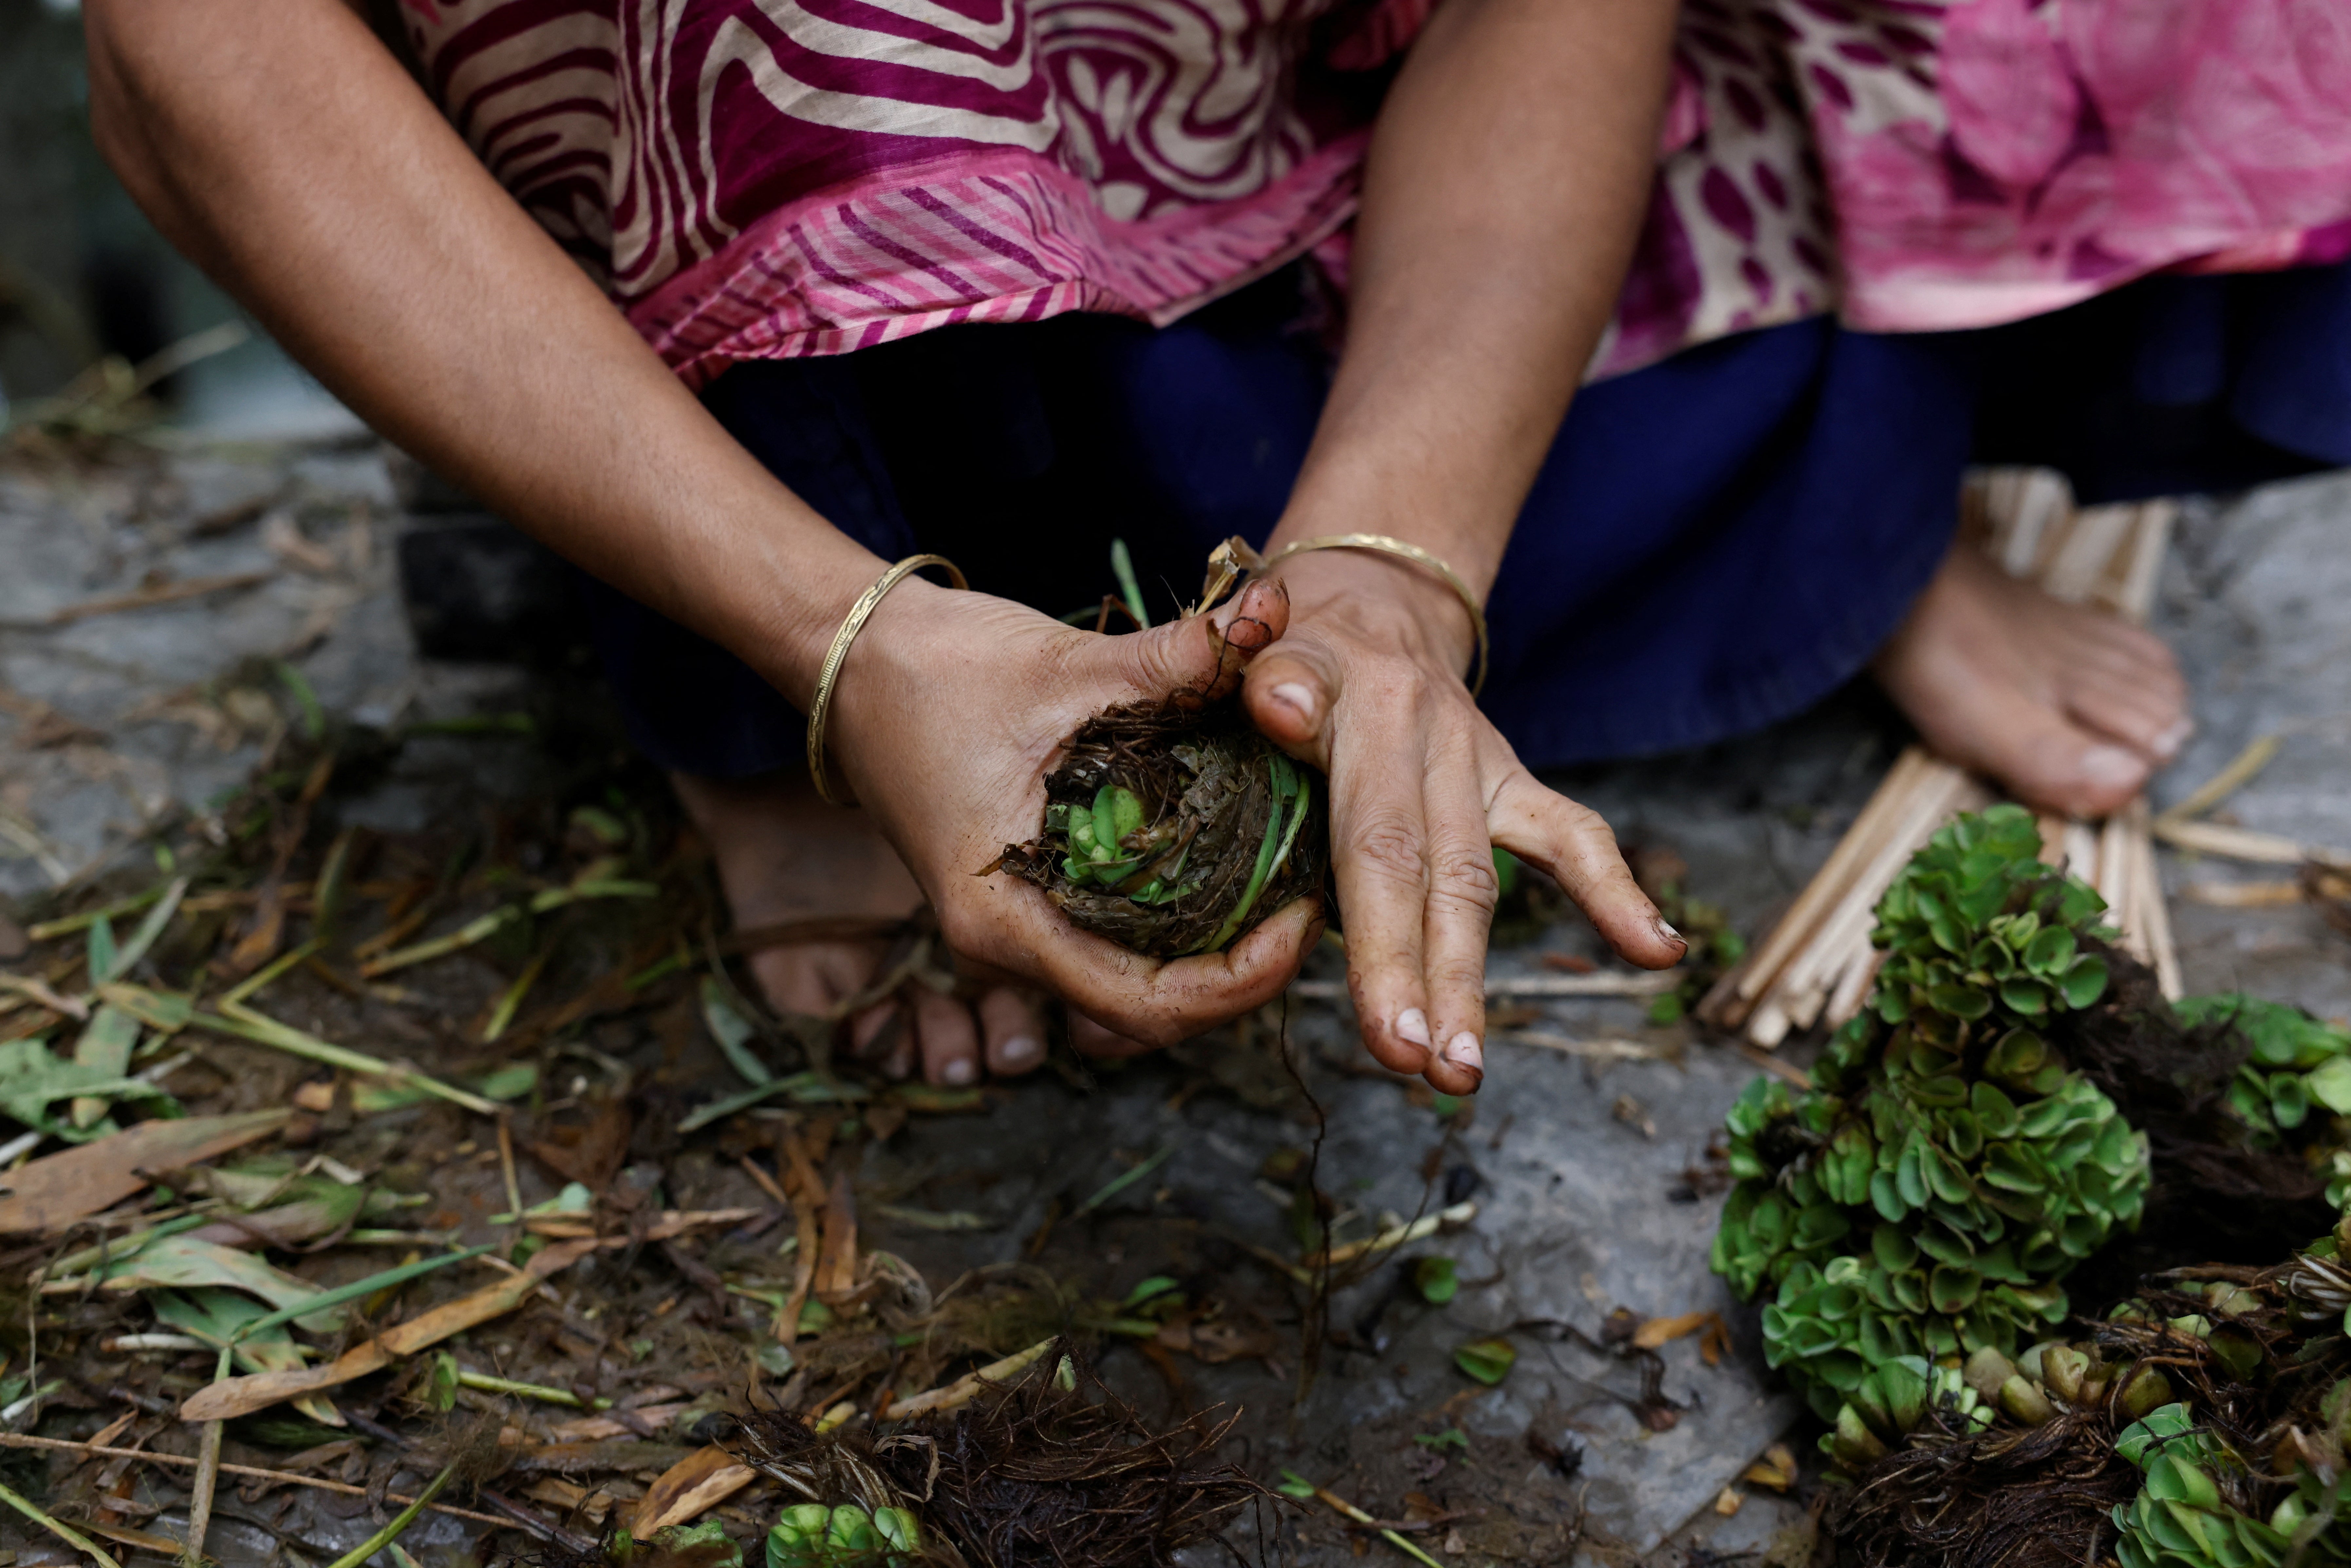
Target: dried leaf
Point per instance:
(699, 1481)
(592, 1155)
(215, 1317)
(236, 1396)
(53, 1192)
(836, 1268)
(1658, 1332)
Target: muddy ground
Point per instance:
(187, 634)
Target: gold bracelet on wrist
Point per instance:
(829, 674)
(1381, 544)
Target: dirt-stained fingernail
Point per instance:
(1411, 1027)
(1463, 1050)
(1297, 694)
(959, 1071)
(1021, 1050)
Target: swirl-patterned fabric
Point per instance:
(763, 179)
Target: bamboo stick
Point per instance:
(1798, 992)
(2081, 851)
(2116, 866)
(2144, 573)
(1816, 964)
(1853, 989)
(2155, 912)
(2081, 558)
(1862, 841)
(1734, 997)
(1939, 792)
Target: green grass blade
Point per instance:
(355, 1290)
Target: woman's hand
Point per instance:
(1364, 686)
(950, 711)
(952, 707)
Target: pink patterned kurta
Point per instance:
(757, 179)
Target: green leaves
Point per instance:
(2330, 1085)
(2050, 952)
(108, 962)
(32, 1080)
(1436, 1279)
(2084, 981)
(1960, 1001)
(1487, 1360)
(1950, 1167)
(810, 1535)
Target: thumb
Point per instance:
(1291, 693)
(1201, 657)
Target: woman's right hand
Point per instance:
(950, 711)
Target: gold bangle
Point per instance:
(1403, 549)
(830, 673)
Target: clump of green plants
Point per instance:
(2200, 1424)
(2011, 1101)
(2295, 1066)
(810, 1535)
(1949, 1165)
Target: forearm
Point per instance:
(282, 147)
(1505, 187)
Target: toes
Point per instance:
(2059, 768)
(809, 977)
(949, 1039)
(1090, 1039)
(880, 1035)
(1013, 1026)
(2150, 723)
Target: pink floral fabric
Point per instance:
(771, 178)
(1922, 166)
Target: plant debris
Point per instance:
(1176, 828)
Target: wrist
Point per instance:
(780, 610)
(1383, 599)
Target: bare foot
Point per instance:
(783, 854)
(2071, 708)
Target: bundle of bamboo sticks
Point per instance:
(1816, 965)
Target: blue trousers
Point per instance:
(1713, 543)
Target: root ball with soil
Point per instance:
(1174, 828)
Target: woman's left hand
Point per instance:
(1367, 684)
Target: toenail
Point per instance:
(959, 1071)
(1411, 1027)
(1463, 1050)
(2110, 767)
(1020, 1052)
(1299, 696)
(2168, 744)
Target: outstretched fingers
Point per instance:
(1578, 849)
(1459, 919)
(1377, 854)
